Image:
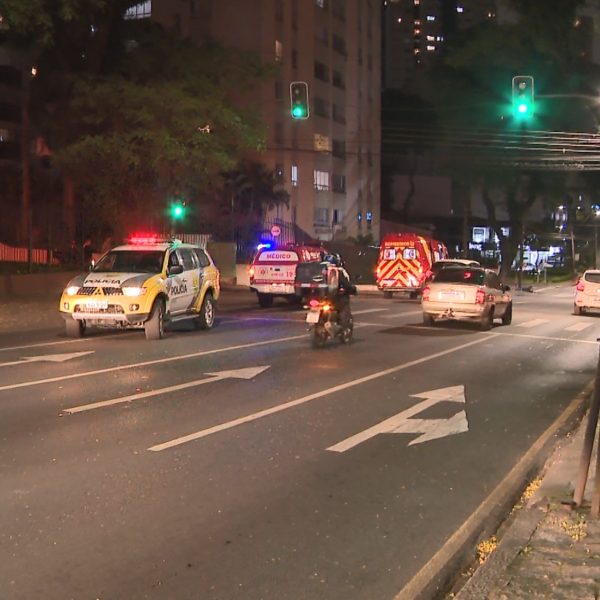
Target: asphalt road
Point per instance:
(240, 463)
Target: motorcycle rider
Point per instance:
(339, 287)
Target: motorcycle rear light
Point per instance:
(480, 297)
(580, 286)
(314, 303)
(426, 293)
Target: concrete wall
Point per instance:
(223, 253)
(34, 284)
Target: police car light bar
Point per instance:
(141, 239)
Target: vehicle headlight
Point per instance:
(132, 292)
(72, 290)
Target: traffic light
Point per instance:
(523, 96)
(177, 210)
(299, 100)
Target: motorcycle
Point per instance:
(324, 323)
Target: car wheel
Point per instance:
(154, 327)
(487, 321)
(206, 318)
(388, 295)
(265, 300)
(577, 310)
(74, 328)
(507, 316)
(428, 320)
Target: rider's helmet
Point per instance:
(334, 259)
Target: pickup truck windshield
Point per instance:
(131, 261)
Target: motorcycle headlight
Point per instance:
(72, 290)
(133, 292)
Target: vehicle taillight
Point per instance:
(426, 292)
(580, 285)
(480, 297)
(314, 303)
(251, 272)
(378, 271)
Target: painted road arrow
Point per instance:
(247, 373)
(402, 422)
(46, 358)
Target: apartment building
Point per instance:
(330, 162)
(415, 32)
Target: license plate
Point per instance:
(96, 305)
(452, 295)
(313, 316)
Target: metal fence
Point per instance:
(11, 254)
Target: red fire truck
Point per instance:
(405, 261)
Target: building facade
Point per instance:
(414, 33)
(330, 162)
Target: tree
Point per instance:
(251, 190)
(473, 96)
(133, 113)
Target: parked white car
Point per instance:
(587, 292)
(465, 293)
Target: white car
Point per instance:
(443, 263)
(587, 292)
(464, 293)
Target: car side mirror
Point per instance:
(175, 270)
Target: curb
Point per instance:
(516, 532)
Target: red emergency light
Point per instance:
(141, 239)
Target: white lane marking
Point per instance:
(75, 341)
(293, 403)
(505, 489)
(146, 363)
(402, 422)
(533, 323)
(368, 310)
(578, 326)
(25, 360)
(248, 373)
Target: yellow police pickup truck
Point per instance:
(143, 285)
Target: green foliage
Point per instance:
(472, 93)
(132, 113)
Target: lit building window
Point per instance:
(278, 51)
(143, 10)
(295, 175)
(321, 179)
(460, 9)
(431, 17)
(431, 38)
(399, 19)
(430, 48)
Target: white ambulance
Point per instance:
(273, 271)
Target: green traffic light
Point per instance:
(522, 108)
(298, 112)
(177, 211)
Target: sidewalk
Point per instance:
(549, 550)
